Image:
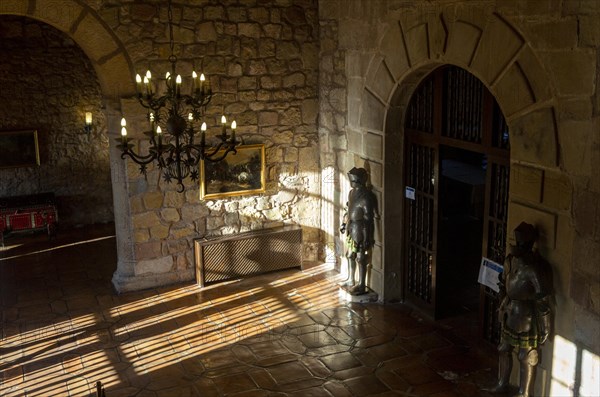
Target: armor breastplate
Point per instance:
(357, 231)
(361, 205)
(520, 315)
(521, 292)
(519, 283)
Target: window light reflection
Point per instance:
(563, 367)
(568, 358)
(590, 374)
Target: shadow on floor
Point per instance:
(282, 334)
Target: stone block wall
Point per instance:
(323, 86)
(332, 130)
(541, 60)
(262, 61)
(565, 198)
(349, 32)
(47, 84)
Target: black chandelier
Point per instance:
(175, 150)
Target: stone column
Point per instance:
(123, 229)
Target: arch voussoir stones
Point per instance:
(114, 71)
(94, 38)
(373, 112)
(62, 14)
(487, 46)
(496, 51)
(113, 67)
(383, 83)
(533, 138)
(14, 7)
(394, 51)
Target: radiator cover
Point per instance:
(227, 257)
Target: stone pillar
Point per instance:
(125, 272)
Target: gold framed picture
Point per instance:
(19, 149)
(237, 174)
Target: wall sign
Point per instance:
(409, 193)
(489, 273)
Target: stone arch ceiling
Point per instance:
(488, 47)
(113, 66)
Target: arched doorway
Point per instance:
(456, 166)
(48, 84)
(114, 70)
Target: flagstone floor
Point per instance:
(283, 334)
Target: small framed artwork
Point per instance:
(19, 149)
(236, 175)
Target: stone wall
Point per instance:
(278, 64)
(47, 84)
(332, 131)
(568, 195)
(541, 60)
(262, 62)
(265, 57)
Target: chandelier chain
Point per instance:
(173, 116)
(172, 57)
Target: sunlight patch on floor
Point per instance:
(59, 247)
(152, 333)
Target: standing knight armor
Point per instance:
(524, 310)
(361, 210)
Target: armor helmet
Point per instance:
(525, 233)
(358, 175)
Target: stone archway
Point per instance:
(114, 70)
(485, 45)
(112, 64)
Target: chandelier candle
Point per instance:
(172, 118)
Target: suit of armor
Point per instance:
(524, 312)
(359, 227)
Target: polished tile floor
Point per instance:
(283, 334)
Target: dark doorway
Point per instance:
(456, 179)
(460, 230)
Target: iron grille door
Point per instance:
(421, 212)
(452, 108)
(421, 215)
(495, 222)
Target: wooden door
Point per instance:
(451, 108)
(421, 195)
(496, 215)
(421, 226)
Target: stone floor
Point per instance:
(284, 334)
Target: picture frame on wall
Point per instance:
(19, 149)
(238, 174)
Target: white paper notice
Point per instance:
(489, 273)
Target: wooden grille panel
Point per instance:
(500, 137)
(463, 106)
(497, 214)
(245, 254)
(420, 110)
(420, 221)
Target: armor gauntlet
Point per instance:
(345, 218)
(543, 319)
(502, 297)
